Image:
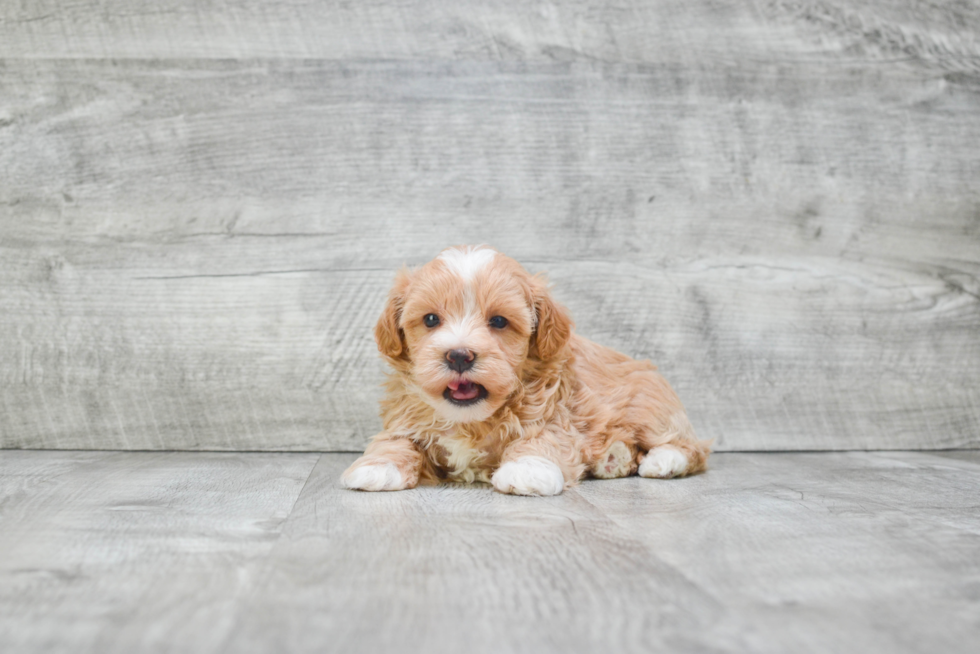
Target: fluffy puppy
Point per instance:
(490, 383)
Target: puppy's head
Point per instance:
(464, 325)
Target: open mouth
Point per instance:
(463, 392)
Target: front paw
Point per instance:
(381, 476)
(529, 475)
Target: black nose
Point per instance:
(460, 360)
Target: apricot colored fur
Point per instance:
(551, 392)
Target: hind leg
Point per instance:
(669, 446)
(674, 452)
(618, 460)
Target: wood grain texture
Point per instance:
(124, 552)
(195, 552)
(517, 576)
(625, 30)
(808, 533)
(776, 203)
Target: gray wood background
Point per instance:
(202, 205)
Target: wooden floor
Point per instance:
(258, 552)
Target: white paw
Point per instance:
(377, 477)
(663, 462)
(529, 475)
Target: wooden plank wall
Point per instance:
(202, 204)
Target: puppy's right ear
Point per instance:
(387, 333)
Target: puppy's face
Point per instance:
(462, 327)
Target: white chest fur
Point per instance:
(466, 460)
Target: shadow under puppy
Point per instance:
(490, 383)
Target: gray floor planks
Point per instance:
(441, 569)
(126, 552)
(846, 552)
(849, 552)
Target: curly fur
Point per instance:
(550, 393)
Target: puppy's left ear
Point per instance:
(554, 328)
(387, 333)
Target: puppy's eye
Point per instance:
(431, 320)
(498, 322)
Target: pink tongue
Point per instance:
(464, 390)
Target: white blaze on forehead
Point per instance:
(467, 261)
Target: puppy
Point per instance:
(489, 383)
